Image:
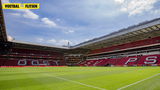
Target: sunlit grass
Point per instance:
(109, 78)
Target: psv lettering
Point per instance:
(22, 62)
(131, 60)
(151, 60)
(35, 62)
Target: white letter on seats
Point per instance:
(22, 62)
(45, 63)
(131, 60)
(56, 62)
(151, 59)
(35, 62)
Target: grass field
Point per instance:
(80, 78)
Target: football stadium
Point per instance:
(127, 59)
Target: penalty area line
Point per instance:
(138, 82)
(77, 82)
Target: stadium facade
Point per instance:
(138, 45)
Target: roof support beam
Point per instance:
(3, 35)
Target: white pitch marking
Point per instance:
(138, 82)
(78, 82)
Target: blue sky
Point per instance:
(60, 21)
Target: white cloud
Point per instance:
(5, 1)
(29, 14)
(134, 7)
(15, 14)
(48, 22)
(61, 42)
(69, 31)
(64, 42)
(26, 13)
(58, 19)
(39, 40)
(10, 38)
(86, 39)
(119, 1)
(156, 12)
(52, 41)
(57, 42)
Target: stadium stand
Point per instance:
(25, 57)
(73, 59)
(136, 44)
(147, 60)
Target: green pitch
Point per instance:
(80, 78)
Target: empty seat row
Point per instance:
(30, 62)
(129, 61)
(150, 41)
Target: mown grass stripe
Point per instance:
(76, 82)
(138, 82)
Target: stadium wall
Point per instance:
(141, 56)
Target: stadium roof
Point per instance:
(144, 27)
